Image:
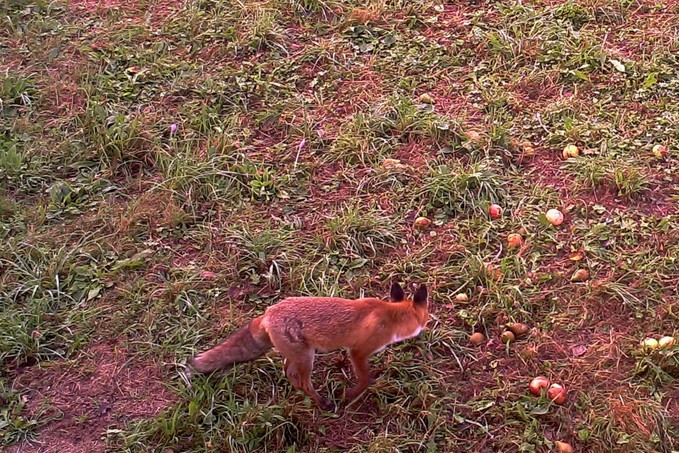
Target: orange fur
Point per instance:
(298, 327)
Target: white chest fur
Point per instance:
(395, 338)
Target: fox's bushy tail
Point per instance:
(247, 343)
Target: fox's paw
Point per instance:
(186, 374)
(200, 365)
(325, 404)
(351, 394)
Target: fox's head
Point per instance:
(419, 301)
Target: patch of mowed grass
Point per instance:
(561, 36)
(34, 22)
(48, 296)
(114, 138)
(15, 425)
(246, 28)
(455, 188)
(607, 172)
(370, 136)
(16, 91)
(607, 423)
(358, 232)
(220, 177)
(264, 253)
(224, 413)
(165, 318)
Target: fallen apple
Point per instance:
(507, 337)
(570, 151)
(528, 149)
(514, 240)
(649, 344)
(576, 256)
(493, 272)
(474, 136)
(393, 164)
(495, 211)
(581, 275)
(557, 393)
(660, 151)
(666, 342)
(426, 98)
(563, 447)
(422, 222)
(462, 297)
(518, 329)
(477, 338)
(554, 216)
(537, 384)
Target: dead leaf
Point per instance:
(578, 350)
(576, 256)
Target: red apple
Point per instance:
(563, 447)
(514, 240)
(557, 393)
(422, 222)
(660, 151)
(495, 211)
(477, 338)
(537, 384)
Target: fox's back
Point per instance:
(324, 312)
(328, 323)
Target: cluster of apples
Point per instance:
(555, 392)
(513, 331)
(651, 344)
(659, 151)
(553, 216)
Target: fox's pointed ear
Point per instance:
(396, 294)
(420, 297)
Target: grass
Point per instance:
(168, 170)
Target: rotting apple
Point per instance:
(554, 216)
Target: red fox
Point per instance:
(297, 327)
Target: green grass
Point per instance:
(169, 171)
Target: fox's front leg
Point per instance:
(361, 364)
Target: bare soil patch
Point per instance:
(102, 389)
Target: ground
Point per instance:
(169, 169)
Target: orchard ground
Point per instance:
(169, 169)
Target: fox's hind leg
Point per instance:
(298, 370)
(298, 361)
